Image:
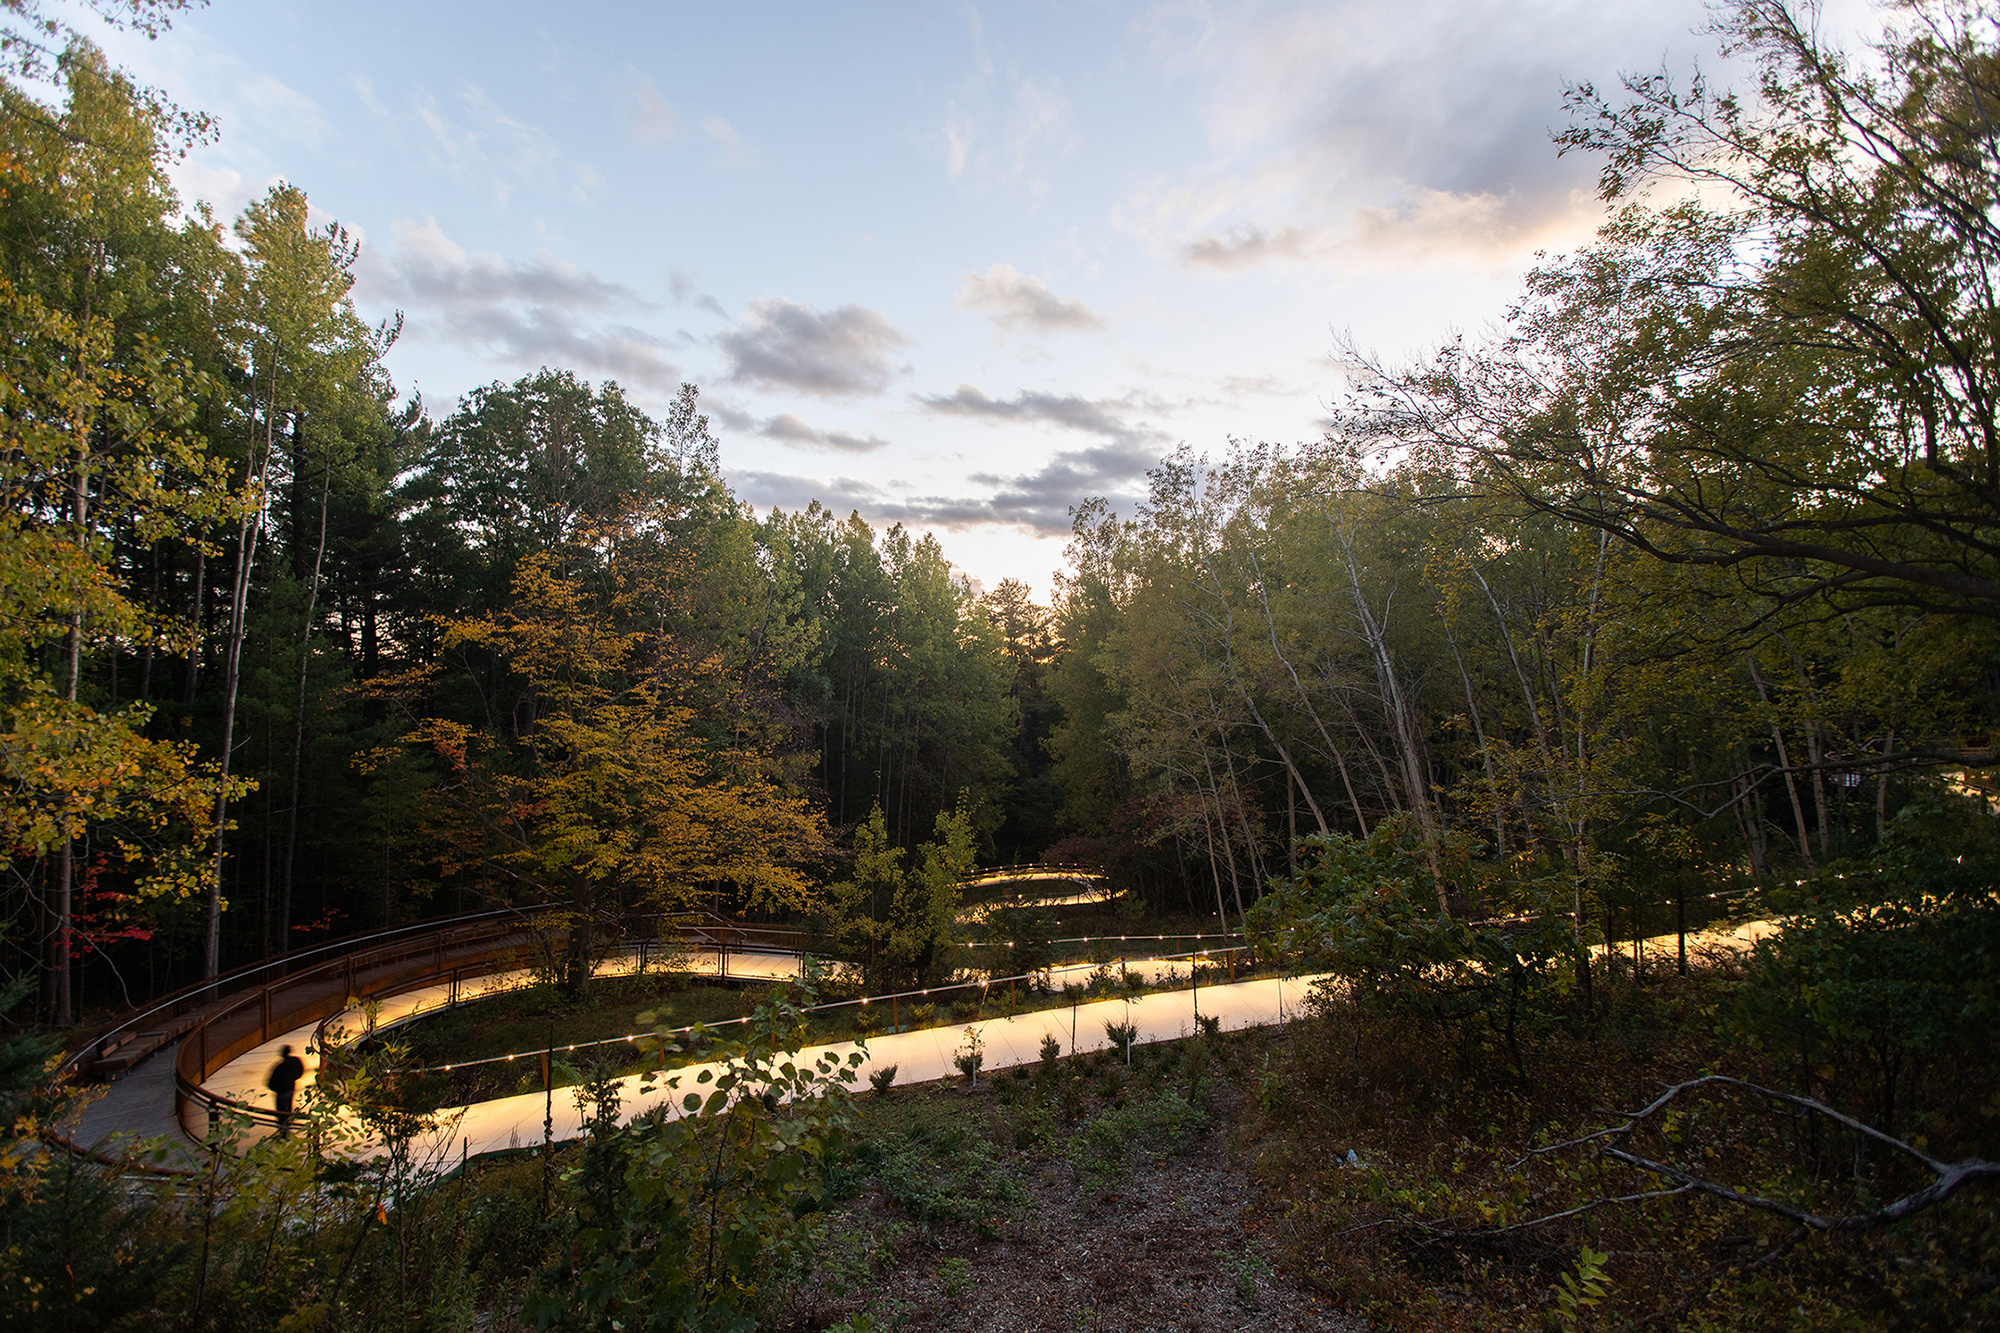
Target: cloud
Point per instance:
(786, 491)
(651, 119)
(1094, 416)
(1347, 134)
(541, 311)
(789, 345)
(789, 429)
(482, 142)
(735, 152)
(282, 111)
(681, 286)
(1039, 501)
(1001, 130)
(1019, 303)
(1247, 245)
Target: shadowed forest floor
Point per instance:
(991, 1209)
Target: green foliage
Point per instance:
(1121, 1037)
(900, 924)
(971, 1057)
(1883, 979)
(1032, 931)
(1366, 910)
(942, 1177)
(1581, 1290)
(1155, 1126)
(718, 1191)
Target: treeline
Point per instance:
(1684, 582)
(1682, 585)
(285, 654)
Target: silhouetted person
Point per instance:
(284, 1085)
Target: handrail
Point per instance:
(1001, 874)
(224, 1032)
(1194, 958)
(398, 967)
(485, 942)
(177, 1003)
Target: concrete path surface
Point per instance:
(141, 1102)
(919, 1057)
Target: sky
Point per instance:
(958, 266)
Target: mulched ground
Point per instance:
(1178, 1246)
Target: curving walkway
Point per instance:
(140, 1105)
(920, 1057)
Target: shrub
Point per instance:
(1051, 1051)
(1122, 1036)
(1367, 911)
(971, 1056)
(881, 1079)
(943, 1177)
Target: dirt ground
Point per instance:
(1178, 1245)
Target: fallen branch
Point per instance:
(1948, 1177)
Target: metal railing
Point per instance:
(1221, 962)
(1052, 870)
(449, 956)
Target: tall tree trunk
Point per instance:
(196, 618)
(60, 960)
(1215, 872)
(1815, 752)
(1784, 762)
(1305, 701)
(1375, 634)
(1479, 735)
(1243, 692)
(299, 716)
(1222, 826)
(1882, 788)
(248, 531)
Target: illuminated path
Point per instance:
(140, 1104)
(920, 1057)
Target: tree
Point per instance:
(97, 418)
(600, 790)
(523, 469)
(900, 923)
(1797, 386)
(302, 340)
(714, 1199)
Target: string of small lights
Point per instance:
(983, 985)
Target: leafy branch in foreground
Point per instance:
(694, 1209)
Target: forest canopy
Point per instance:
(1679, 587)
